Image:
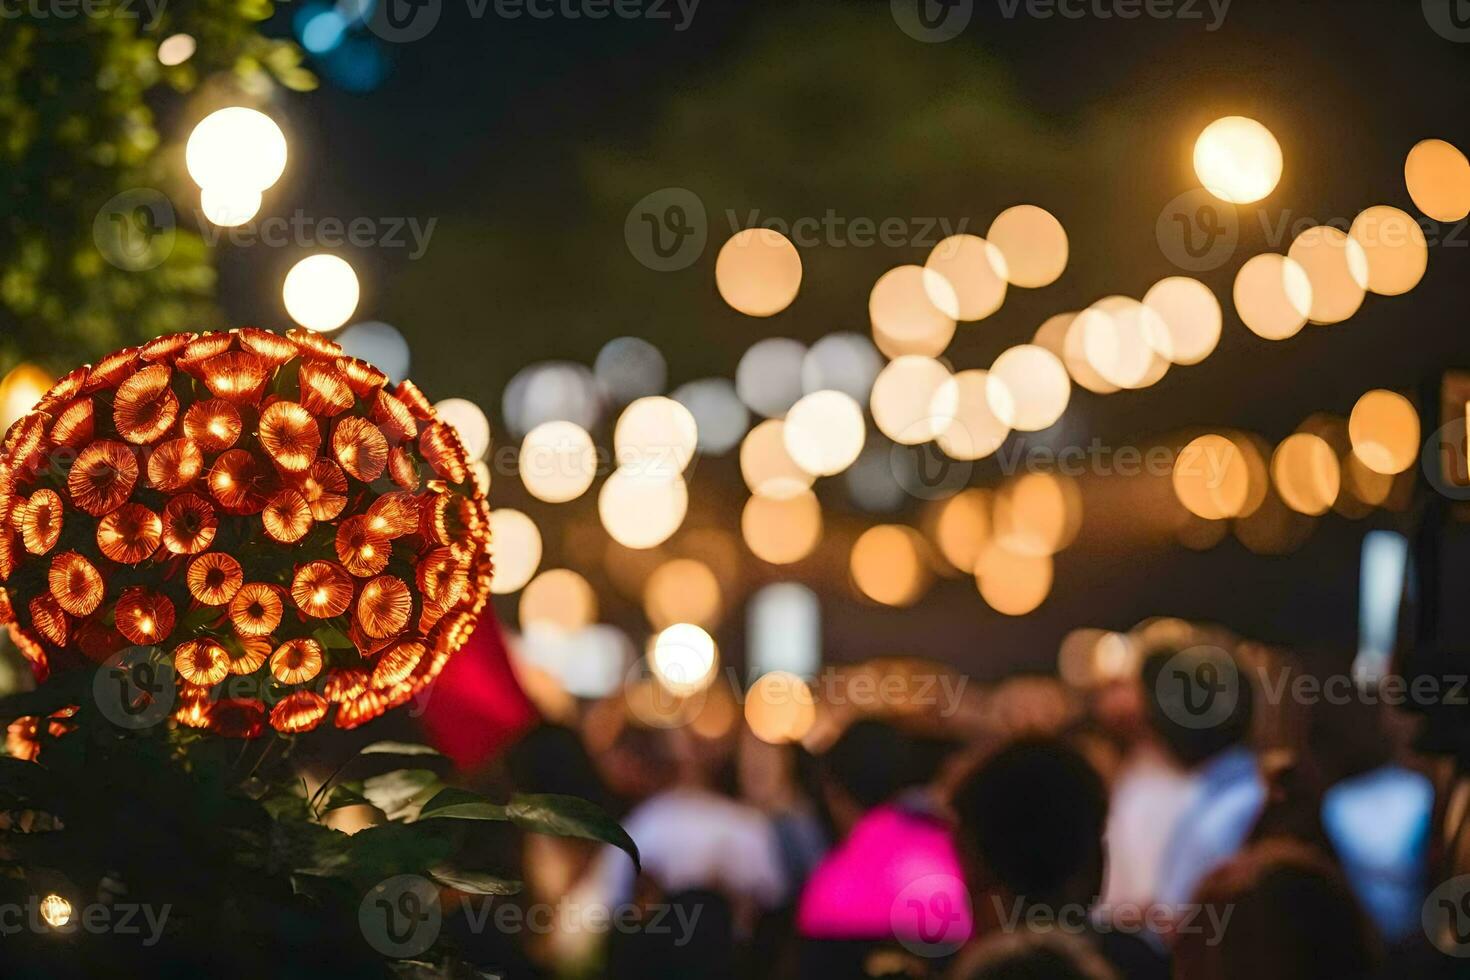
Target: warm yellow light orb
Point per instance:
(1237, 160)
(560, 598)
(19, 392)
(1191, 318)
(321, 292)
(1438, 178)
(557, 461)
(236, 149)
(1337, 268)
(887, 566)
(963, 528)
(1037, 514)
(1306, 473)
(1028, 388)
(1212, 478)
(824, 432)
(766, 464)
(913, 311)
(1032, 244)
(684, 659)
(1273, 296)
(56, 911)
(683, 590)
(229, 206)
(640, 509)
(782, 531)
(1384, 429)
(758, 271)
(910, 402)
(1010, 583)
(976, 431)
(1395, 248)
(515, 544)
(780, 708)
(657, 434)
(974, 277)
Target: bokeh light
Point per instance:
(1037, 514)
(1273, 296)
(176, 49)
(845, 362)
(557, 461)
(887, 565)
(962, 528)
(656, 434)
(1032, 243)
(684, 658)
(642, 509)
(975, 431)
(780, 708)
(628, 368)
(1191, 318)
(910, 402)
(558, 597)
(21, 388)
(782, 530)
(1064, 335)
(905, 316)
(550, 391)
(1028, 388)
(1306, 473)
(229, 206)
(1395, 249)
(768, 377)
(973, 283)
(682, 590)
(1212, 477)
(1384, 429)
(1438, 177)
(469, 423)
(321, 292)
(1012, 584)
(515, 544)
(379, 344)
(1237, 160)
(766, 464)
(824, 432)
(1337, 268)
(758, 271)
(236, 149)
(1124, 341)
(720, 417)
(783, 631)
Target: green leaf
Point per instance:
(345, 794)
(332, 638)
(400, 793)
(475, 882)
(397, 748)
(568, 816)
(459, 804)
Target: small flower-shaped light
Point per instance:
(322, 589)
(290, 434)
(402, 468)
(384, 606)
(203, 663)
(214, 424)
(393, 417)
(362, 551)
(102, 476)
(256, 609)
(175, 464)
(144, 617)
(145, 406)
(441, 449)
(238, 376)
(274, 348)
(130, 534)
(297, 661)
(324, 389)
(325, 488)
(40, 521)
(189, 524)
(360, 447)
(442, 577)
(76, 583)
(75, 424)
(300, 711)
(396, 663)
(214, 578)
(287, 516)
(394, 514)
(235, 481)
(253, 652)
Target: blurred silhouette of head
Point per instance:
(1292, 917)
(1034, 956)
(1199, 701)
(871, 763)
(1031, 822)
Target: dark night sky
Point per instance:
(529, 140)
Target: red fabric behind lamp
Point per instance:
(476, 706)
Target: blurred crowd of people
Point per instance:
(1033, 831)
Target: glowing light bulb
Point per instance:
(1237, 160)
(321, 292)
